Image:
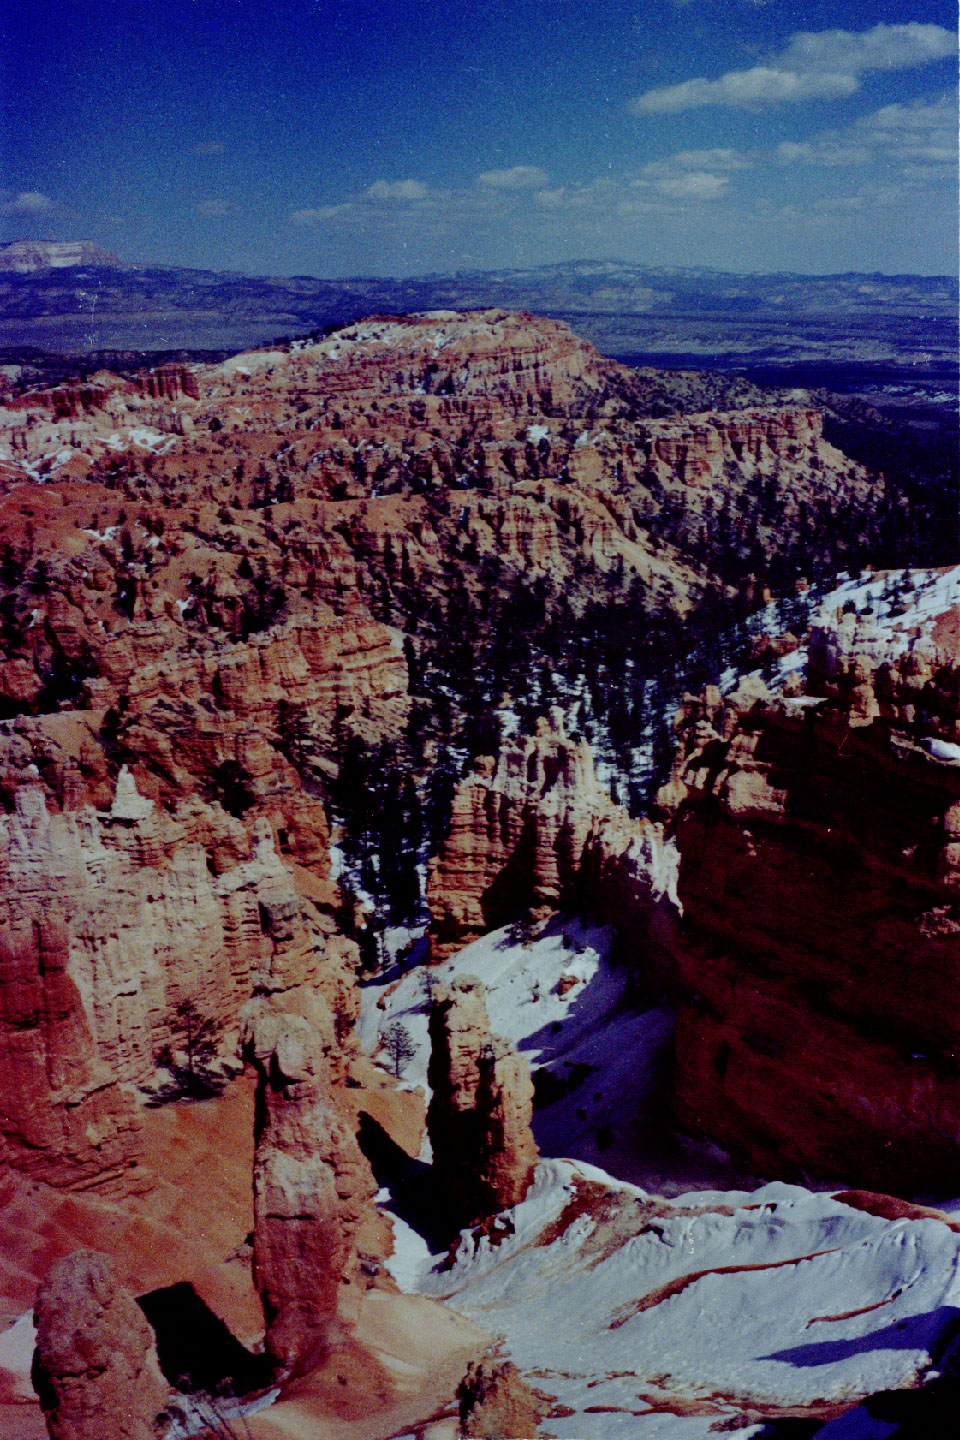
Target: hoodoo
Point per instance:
(481, 1108)
(95, 1367)
(312, 1193)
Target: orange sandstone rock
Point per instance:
(535, 827)
(312, 1191)
(480, 1112)
(95, 1366)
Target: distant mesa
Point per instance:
(25, 256)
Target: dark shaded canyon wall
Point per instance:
(819, 968)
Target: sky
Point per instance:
(387, 137)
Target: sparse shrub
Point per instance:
(189, 1056)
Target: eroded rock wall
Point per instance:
(536, 828)
(819, 1022)
(108, 921)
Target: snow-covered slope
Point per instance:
(646, 1318)
(576, 1014)
(659, 1319)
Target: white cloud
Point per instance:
(760, 86)
(550, 199)
(814, 66)
(885, 47)
(719, 158)
(320, 214)
(920, 125)
(697, 185)
(209, 147)
(28, 202)
(825, 150)
(923, 132)
(398, 190)
(517, 177)
(215, 209)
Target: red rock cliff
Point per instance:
(819, 1024)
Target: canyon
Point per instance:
(324, 666)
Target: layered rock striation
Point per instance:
(480, 1111)
(818, 1027)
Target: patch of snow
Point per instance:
(411, 1258)
(536, 433)
(607, 1055)
(251, 361)
(17, 1344)
(521, 986)
(151, 440)
(942, 749)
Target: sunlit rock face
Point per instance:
(108, 921)
(312, 1192)
(819, 1021)
(95, 1367)
(536, 828)
(480, 1112)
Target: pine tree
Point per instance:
(398, 1044)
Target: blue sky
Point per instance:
(339, 137)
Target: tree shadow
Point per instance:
(185, 1084)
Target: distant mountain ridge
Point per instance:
(27, 257)
(94, 303)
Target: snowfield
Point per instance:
(649, 1318)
